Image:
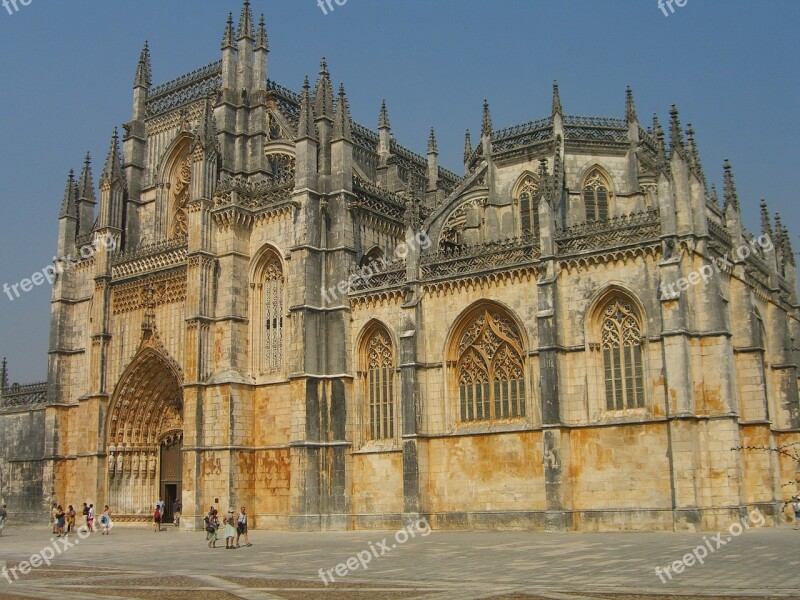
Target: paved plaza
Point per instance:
(135, 562)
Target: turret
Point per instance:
(68, 217)
(261, 56)
(245, 47)
(112, 190)
(86, 198)
(141, 84)
(342, 146)
(229, 56)
(306, 144)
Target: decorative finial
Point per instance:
(86, 182)
(383, 120)
(557, 110)
(144, 76)
(68, 205)
(467, 147)
(306, 127)
(323, 67)
(432, 146)
(262, 42)
(4, 375)
(229, 37)
(630, 107)
(675, 134)
(729, 190)
(766, 226)
(486, 130)
(246, 22)
(342, 126)
(694, 155)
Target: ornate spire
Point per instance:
(4, 375)
(467, 147)
(432, 146)
(766, 226)
(323, 98)
(714, 194)
(205, 135)
(694, 155)
(306, 128)
(262, 41)
(658, 133)
(729, 190)
(786, 244)
(144, 77)
(675, 134)
(68, 205)
(229, 37)
(86, 182)
(113, 169)
(486, 128)
(630, 107)
(342, 125)
(383, 120)
(246, 22)
(557, 110)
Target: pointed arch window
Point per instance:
(596, 192)
(378, 373)
(490, 369)
(268, 314)
(622, 356)
(528, 200)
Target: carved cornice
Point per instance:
(160, 289)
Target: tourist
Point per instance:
(90, 518)
(212, 527)
(796, 507)
(54, 512)
(230, 531)
(71, 514)
(157, 518)
(105, 520)
(60, 521)
(3, 518)
(86, 514)
(241, 527)
(176, 512)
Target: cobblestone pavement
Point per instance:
(138, 563)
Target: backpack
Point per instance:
(206, 521)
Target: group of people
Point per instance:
(158, 514)
(64, 520)
(235, 527)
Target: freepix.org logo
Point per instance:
(12, 6)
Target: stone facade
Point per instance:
(293, 312)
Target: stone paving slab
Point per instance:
(138, 563)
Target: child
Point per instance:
(157, 519)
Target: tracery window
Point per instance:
(268, 314)
(622, 356)
(527, 195)
(490, 369)
(378, 373)
(595, 196)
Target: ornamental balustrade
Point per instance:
(29, 394)
(198, 84)
(609, 233)
(480, 257)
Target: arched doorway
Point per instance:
(145, 425)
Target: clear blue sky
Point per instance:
(66, 70)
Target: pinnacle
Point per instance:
(557, 110)
(246, 22)
(630, 106)
(383, 120)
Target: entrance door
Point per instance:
(171, 465)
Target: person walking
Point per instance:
(90, 518)
(105, 520)
(241, 527)
(176, 512)
(157, 519)
(213, 528)
(60, 521)
(3, 517)
(86, 514)
(230, 531)
(71, 514)
(54, 512)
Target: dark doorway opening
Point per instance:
(170, 494)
